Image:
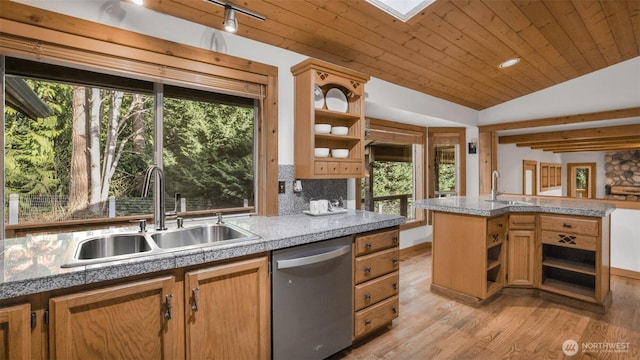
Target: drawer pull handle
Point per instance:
(194, 304)
(367, 322)
(368, 246)
(500, 225)
(367, 296)
(395, 311)
(394, 239)
(367, 270)
(394, 261)
(565, 225)
(395, 286)
(167, 313)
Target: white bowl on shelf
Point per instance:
(336, 100)
(322, 128)
(321, 152)
(340, 153)
(340, 130)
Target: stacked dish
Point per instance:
(340, 153)
(322, 128)
(321, 152)
(336, 100)
(318, 97)
(339, 130)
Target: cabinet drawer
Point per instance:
(350, 168)
(567, 239)
(375, 316)
(321, 168)
(375, 290)
(525, 222)
(369, 243)
(570, 224)
(497, 225)
(371, 266)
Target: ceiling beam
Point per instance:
(604, 141)
(572, 135)
(562, 120)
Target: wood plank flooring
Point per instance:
(513, 326)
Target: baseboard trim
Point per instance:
(625, 273)
(415, 250)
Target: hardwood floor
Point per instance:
(513, 326)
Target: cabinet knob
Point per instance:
(367, 296)
(367, 321)
(394, 239)
(394, 286)
(395, 311)
(394, 261)
(368, 245)
(367, 270)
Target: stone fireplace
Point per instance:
(623, 175)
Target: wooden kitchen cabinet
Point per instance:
(575, 258)
(376, 280)
(15, 334)
(228, 311)
(521, 247)
(309, 74)
(469, 255)
(137, 320)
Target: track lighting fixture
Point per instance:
(230, 22)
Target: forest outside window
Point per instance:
(394, 162)
(78, 143)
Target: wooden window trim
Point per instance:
(395, 132)
(449, 133)
(39, 35)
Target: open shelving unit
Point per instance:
(309, 74)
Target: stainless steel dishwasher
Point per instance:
(312, 300)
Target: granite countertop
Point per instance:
(31, 265)
(479, 205)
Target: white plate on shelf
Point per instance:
(318, 97)
(336, 100)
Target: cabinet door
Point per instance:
(228, 311)
(15, 342)
(520, 270)
(131, 321)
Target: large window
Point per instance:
(78, 144)
(394, 160)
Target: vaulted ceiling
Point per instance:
(451, 49)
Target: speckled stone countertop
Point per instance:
(32, 265)
(479, 205)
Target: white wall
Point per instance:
(625, 241)
(510, 166)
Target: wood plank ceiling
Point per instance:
(451, 49)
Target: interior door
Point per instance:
(529, 177)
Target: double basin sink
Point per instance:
(122, 246)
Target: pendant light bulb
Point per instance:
(230, 21)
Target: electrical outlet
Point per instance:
(281, 187)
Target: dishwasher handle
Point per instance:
(313, 259)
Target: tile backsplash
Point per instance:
(294, 203)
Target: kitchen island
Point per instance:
(555, 248)
(210, 301)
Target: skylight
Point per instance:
(401, 9)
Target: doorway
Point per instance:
(581, 180)
(529, 177)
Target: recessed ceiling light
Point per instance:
(138, 2)
(509, 63)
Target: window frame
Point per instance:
(407, 134)
(86, 45)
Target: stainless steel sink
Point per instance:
(110, 247)
(509, 202)
(201, 235)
